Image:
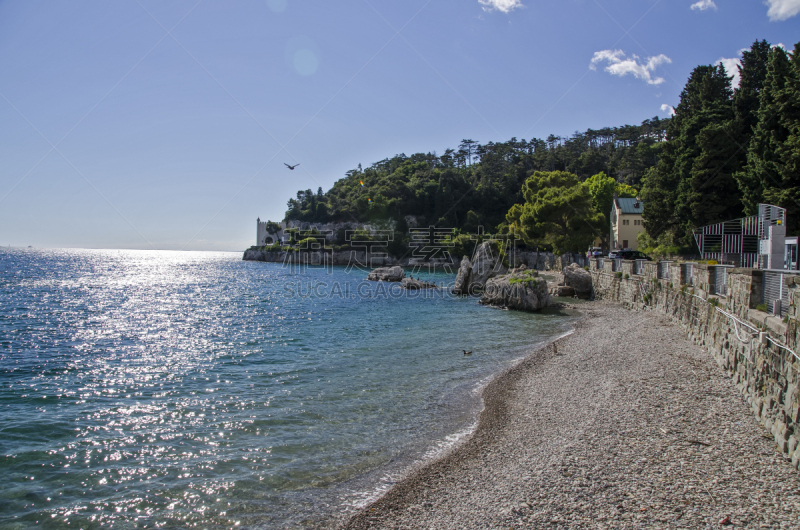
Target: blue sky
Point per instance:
(165, 124)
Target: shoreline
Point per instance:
(494, 397)
(440, 448)
(590, 436)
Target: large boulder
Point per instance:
(387, 274)
(520, 289)
(486, 264)
(464, 277)
(562, 290)
(579, 279)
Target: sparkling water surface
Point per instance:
(158, 389)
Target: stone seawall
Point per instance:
(531, 259)
(750, 344)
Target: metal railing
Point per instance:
(639, 267)
(617, 264)
(664, 270)
(776, 294)
(688, 273)
(721, 279)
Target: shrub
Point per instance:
(618, 274)
(309, 243)
(713, 301)
(627, 276)
(761, 307)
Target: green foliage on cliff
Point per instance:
(477, 184)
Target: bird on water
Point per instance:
(291, 167)
(467, 352)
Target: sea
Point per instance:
(161, 389)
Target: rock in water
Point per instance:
(387, 274)
(520, 289)
(579, 279)
(487, 264)
(464, 277)
(410, 283)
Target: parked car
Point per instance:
(632, 254)
(595, 252)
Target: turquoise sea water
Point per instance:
(145, 389)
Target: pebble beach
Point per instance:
(624, 423)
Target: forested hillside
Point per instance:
(728, 150)
(725, 150)
(477, 184)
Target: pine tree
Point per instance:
(763, 169)
(752, 74)
(691, 184)
(784, 191)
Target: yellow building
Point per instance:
(626, 223)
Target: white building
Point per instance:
(263, 237)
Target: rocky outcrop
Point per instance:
(521, 289)
(387, 274)
(415, 283)
(473, 275)
(486, 264)
(464, 277)
(579, 279)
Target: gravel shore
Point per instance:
(625, 423)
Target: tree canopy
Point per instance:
(476, 184)
(727, 149)
(558, 213)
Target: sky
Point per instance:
(165, 124)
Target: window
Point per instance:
(624, 243)
(637, 222)
(626, 222)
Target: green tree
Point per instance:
(784, 191)
(681, 184)
(602, 189)
(557, 213)
(273, 228)
(764, 169)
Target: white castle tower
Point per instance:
(265, 238)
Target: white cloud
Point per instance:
(505, 6)
(782, 9)
(702, 5)
(619, 65)
(668, 108)
(731, 68)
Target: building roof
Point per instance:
(629, 206)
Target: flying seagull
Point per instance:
(291, 167)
